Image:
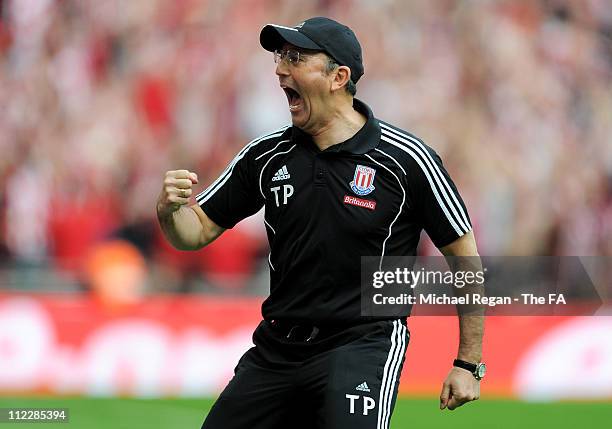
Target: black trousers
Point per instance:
(315, 377)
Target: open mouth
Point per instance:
(294, 98)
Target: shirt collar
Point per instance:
(365, 140)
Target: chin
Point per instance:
(299, 120)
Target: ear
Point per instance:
(341, 77)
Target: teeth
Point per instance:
(295, 106)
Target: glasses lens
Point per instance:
(293, 56)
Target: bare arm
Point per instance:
(460, 385)
(462, 255)
(186, 228)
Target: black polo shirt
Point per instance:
(368, 196)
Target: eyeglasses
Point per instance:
(291, 56)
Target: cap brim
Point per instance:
(274, 36)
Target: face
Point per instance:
(307, 87)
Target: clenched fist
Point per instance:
(459, 388)
(176, 191)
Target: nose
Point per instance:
(282, 68)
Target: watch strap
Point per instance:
(465, 365)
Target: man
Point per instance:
(336, 185)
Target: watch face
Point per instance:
(481, 370)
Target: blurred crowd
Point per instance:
(99, 98)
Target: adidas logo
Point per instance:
(281, 174)
(363, 387)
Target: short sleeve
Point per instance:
(439, 206)
(234, 195)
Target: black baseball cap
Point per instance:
(321, 34)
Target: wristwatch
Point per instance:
(478, 370)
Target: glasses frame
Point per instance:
(290, 56)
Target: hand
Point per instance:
(176, 191)
(459, 388)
